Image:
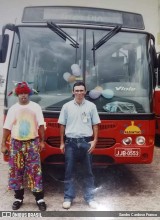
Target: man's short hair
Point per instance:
(79, 84)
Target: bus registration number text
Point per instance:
(127, 152)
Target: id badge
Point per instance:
(84, 117)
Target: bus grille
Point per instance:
(53, 125)
(105, 142)
(53, 141)
(106, 126)
(96, 159)
(102, 142)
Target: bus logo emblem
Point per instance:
(132, 129)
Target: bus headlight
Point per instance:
(127, 141)
(140, 140)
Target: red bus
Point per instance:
(157, 106)
(55, 46)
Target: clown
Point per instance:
(25, 124)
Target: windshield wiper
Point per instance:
(62, 33)
(109, 35)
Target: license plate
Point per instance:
(127, 152)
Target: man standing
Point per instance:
(25, 123)
(78, 121)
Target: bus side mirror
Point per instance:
(154, 57)
(4, 40)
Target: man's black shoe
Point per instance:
(16, 205)
(42, 206)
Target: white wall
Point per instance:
(11, 11)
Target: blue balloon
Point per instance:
(107, 93)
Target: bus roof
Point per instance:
(82, 15)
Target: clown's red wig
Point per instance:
(21, 88)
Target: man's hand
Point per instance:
(93, 145)
(5, 138)
(4, 149)
(41, 146)
(62, 148)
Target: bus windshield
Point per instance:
(51, 64)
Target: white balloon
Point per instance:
(66, 76)
(76, 71)
(99, 88)
(94, 94)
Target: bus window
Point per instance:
(44, 59)
(120, 65)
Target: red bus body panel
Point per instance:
(157, 110)
(109, 149)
